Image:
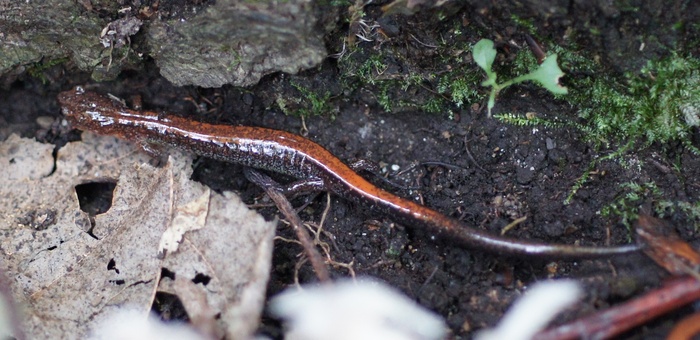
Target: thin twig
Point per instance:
(275, 192)
(422, 43)
(469, 154)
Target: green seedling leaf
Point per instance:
(548, 75)
(484, 54)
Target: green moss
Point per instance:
(527, 24)
(460, 87)
(312, 103)
(370, 70)
(383, 98)
(367, 70)
(659, 104)
(691, 210)
(434, 105)
(340, 3)
(518, 120)
(523, 63)
(37, 69)
(576, 63)
(626, 206)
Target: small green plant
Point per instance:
(547, 74)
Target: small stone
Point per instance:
(554, 229)
(550, 143)
(524, 175)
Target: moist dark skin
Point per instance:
(290, 154)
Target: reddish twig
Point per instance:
(622, 318)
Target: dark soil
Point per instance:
(468, 166)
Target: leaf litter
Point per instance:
(69, 271)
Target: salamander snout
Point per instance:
(87, 110)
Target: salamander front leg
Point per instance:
(303, 187)
(372, 168)
(309, 187)
(365, 165)
(156, 151)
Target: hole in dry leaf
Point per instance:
(95, 197)
(169, 307)
(165, 272)
(117, 282)
(201, 278)
(112, 265)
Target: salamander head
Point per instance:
(89, 111)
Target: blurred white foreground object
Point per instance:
(533, 311)
(130, 324)
(363, 310)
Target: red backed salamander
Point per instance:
(290, 154)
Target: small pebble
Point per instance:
(550, 143)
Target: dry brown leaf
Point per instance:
(663, 245)
(236, 289)
(61, 275)
(25, 160)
